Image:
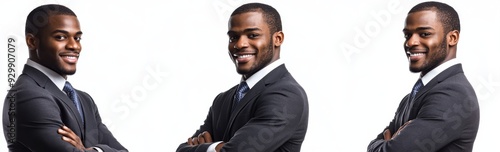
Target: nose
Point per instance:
(73, 44)
(241, 43)
(412, 41)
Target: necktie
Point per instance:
(71, 92)
(242, 88)
(405, 115)
(415, 89)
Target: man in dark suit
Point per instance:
(268, 110)
(442, 112)
(42, 111)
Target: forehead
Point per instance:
(248, 20)
(63, 22)
(426, 18)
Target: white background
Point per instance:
(153, 68)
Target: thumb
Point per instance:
(387, 135)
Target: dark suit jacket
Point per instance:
(272, 116)
(35, 108)
(445, 117)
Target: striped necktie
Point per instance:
(73, 95)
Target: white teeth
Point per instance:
(414, 54)
(243, 56)
(70, 57)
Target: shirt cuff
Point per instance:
(211, 148)
(97, 149)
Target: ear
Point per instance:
(278, 38)
(452, 37)
(32, 42)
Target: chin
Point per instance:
(415, 70)
(241, 71)
(69, 71)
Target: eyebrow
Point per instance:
(245, 31)
(420, 29)
(66, 32)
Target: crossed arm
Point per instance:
(39, 125)
(202, 138)
(441, 119)
(69, 136)
(279, 116)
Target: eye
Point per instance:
(232, 38)
(60, 37)
(407, 36)
(253, 35)
(78, 38)
(425, 34)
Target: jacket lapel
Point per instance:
(44, 82)
(453, 70)
(255, 91)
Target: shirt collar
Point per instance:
(252, 80)
(57, 79)
(440, 68)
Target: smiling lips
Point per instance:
(243, 58)
(413, 57)
(71, 59)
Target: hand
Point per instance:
(69, 136)
(219, 146)
(389, 136)
(202, 138)
(401, 128)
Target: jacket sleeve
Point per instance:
(207, 126)
(106, 141)
(442, 118)
(37, 119)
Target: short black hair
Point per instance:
(270, 14)
(447, 15)
(38, 18)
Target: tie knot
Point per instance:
(68, 88)
(243, 87)
(418, 85)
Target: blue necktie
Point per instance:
(71, 92)
(408, 105)
(242, 88)
(416, 88)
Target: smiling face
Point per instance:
(57, 46)
(426, 44)
(251, 44)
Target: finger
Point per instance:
(68, 130)
(195, 141)
(207, 136)
(219, 146)
(70, 141)
(387, 135)
(62, 132)
(404, 125)
(201, 139)
(70, 134)
(190, 141)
